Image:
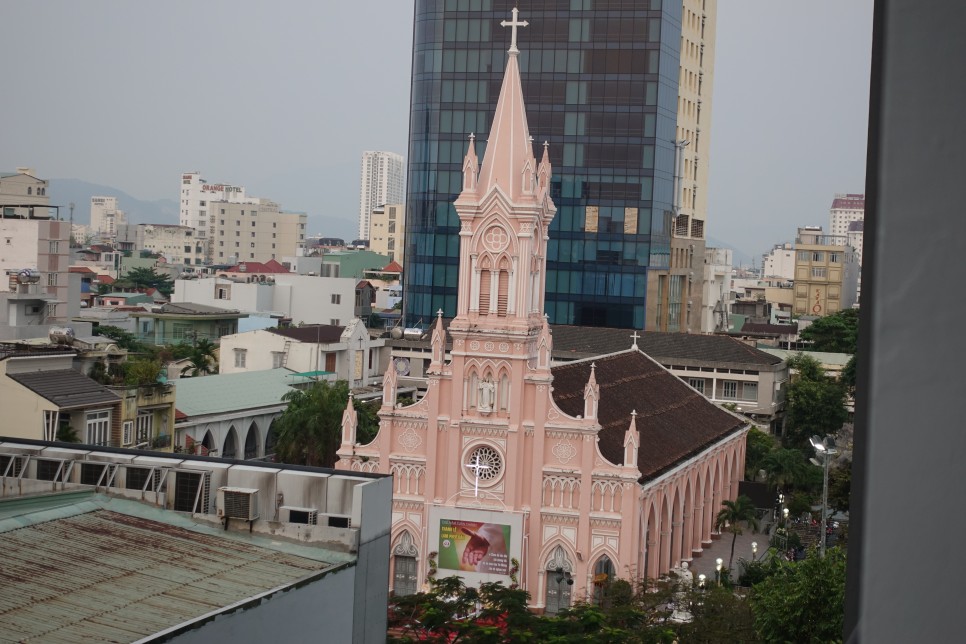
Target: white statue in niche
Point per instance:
(487, 393)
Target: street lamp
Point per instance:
(718, 563)
(754, 551)
(701, 579)
(826, 449)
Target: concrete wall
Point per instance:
(321, 609)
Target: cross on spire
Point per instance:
(513, 24)
(634, 337)
(477, 467)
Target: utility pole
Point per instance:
(70, 236)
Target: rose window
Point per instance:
(486, 463)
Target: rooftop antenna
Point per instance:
(70, 236)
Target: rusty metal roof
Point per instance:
(102, 575)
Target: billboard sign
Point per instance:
(474, 546)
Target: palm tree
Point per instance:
(785, 467)
(732, 515)
(202, 358)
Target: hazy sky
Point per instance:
(284, 97)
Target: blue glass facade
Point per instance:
(600, 80)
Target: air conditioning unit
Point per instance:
(336, 520)
(238, 503)
(306, 516)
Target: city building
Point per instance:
(387, 228)
(43, 396)
(631, 166)
(31, 238)
(329, 352)
(826, 272)
(307, 299)
(779, 262)
(600, 467)
(106, 217)
(178, 322)
(254, 232)
(110, 545)
(845, 209)
(177, 244)
(717, 297)
(382, 181)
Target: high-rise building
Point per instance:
(196, 196)
(106, 217)
(826, 273)
(387, 228)
(382, 181)
(845, 209)
(258, 233)
(622, 92)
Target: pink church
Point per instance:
(560, 477)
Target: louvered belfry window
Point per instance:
(484, 292)
(503, 294)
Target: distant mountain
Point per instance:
(64, 191)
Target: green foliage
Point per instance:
(66, 433)
(815, 403)
(732, 515)
(755, 572)
(124, 339)
(375, 321)
(803, 601)
(785, 467)
(143, 278)
(840, 486)
(141, 372)
(98, 373)
(309, 431)
(718, 616)
(835, 333)
(367, 421)
(800, 503)
(758, 445)
(201, 359)
(849, 374)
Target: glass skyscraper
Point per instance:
(601, 84)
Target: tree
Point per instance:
(815, 403)
(123, 339)
(732, 515)
(309, 431)
(785, 467)
(143, 278)
(141, 372)
(758, 445)
(804, 600)
(836, 333)
(718, 615)
(201, 359)
(840, 486)
(849, 374)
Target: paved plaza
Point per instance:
(722, 548)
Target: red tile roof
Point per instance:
(849, 202)
(80, 269)
(392, 267)
(674, 420)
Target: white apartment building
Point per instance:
(716, 302)
(304, 299)
(31, 239)
(382, 182)
(846, 208)
(254, 232)
(106, 217)
(387, 228)
(177, 244)
(780, 262)
(196, 195)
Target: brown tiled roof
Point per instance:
(315, 333)
(392, 267)
(675, 421)
(584, 342)
(759, 328)
(66, 388)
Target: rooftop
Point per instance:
(312, 333)
(105, 569)
(575, 342)
(675, 421)
(66, 388)
(227, 392)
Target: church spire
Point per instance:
(349, 425)
(632, 442)
(438, 345)
(471, 167)
(591, 393)
(509, 161)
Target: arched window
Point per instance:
(251, 442)
(485, 287)
(603, 575)
(503, 293)
(504, 395)
(230, 448)
(404, 578)
(560, 581)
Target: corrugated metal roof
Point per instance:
(104, 575)
(222, 393)
(66, 388)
